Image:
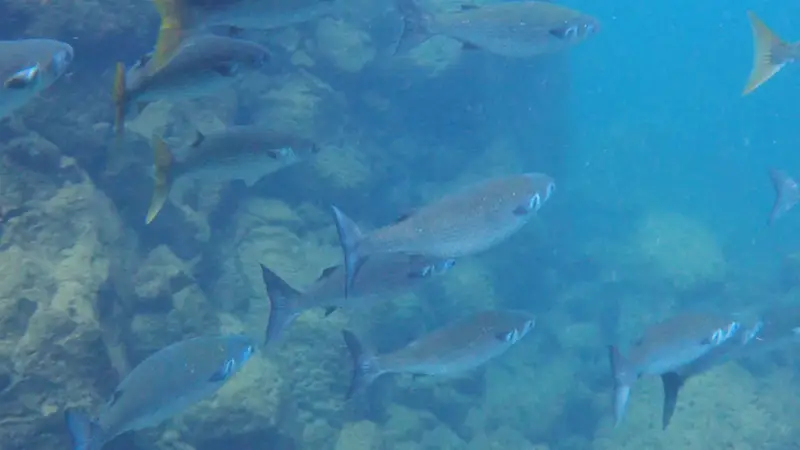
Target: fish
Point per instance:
(733, 348)
(518, 29)
(383, 276)
(240, 15)
(787, 194)
(161, 386)
(450, 350)
(185, 64)
(246, 153)
(770, 54)
(664, 349)
(466, 222)
(28, 67)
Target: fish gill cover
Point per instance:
(666, 227)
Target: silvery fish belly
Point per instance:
(164, 384)
(27, 67)
(462, 345)
(452, 349)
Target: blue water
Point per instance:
(661, 209)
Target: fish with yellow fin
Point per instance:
(770, 54)
(185, 64)
(246, 153)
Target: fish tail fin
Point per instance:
(787, 194)
(119, 101)
(365, 367)
(672, 385)
(162, 160)
(282, 305)
(766, 62)
(415, 25)
(622, 383)
(170, 33)
(350, 237)
(86, 434)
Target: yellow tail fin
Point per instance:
(119, 101)
(765, 62)
(170, 33)
(162, 160)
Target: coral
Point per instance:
(681, 249)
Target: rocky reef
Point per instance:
(89, 290)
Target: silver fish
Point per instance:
(27, 67)
(382, 277)
(664, 349)
(452, 349)
(259, 14)
(161, 386)
(185, 64)
(517, 29)
(245, 153)
(466, 222)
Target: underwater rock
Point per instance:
(57, 257)
(682, 250)
(160, 275)
(363, 435)
(346, 46)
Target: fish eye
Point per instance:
(535, 202)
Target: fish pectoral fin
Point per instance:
(223, 373)
(330, 310)
(672, 385)
(115, 397)
(469, 46)
(198, 139)
(469, 7)
(23, 79)
(404, 216)
(417, 376)
(326, 272)
(227, 69)
(521, 211)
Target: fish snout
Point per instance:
(61, 60)
(591, 27)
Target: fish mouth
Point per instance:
(61, 60)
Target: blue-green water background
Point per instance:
(645, 116)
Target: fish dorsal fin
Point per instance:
(326, 272)
(766, 62)
(330, 310)
(171, 31)
(198, 139)
(469, 7)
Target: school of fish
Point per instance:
(198, 52)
